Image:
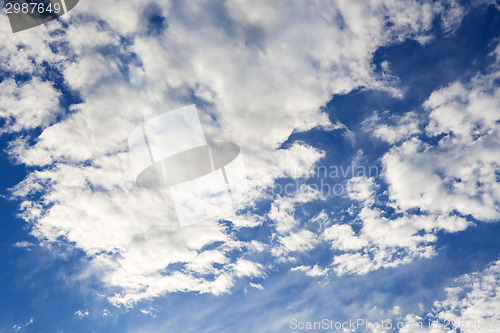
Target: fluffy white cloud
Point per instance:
(361, 188)
(342, 237)
(404, 126)
(441, 171)
(300, 241)
(459, 173)
(473, 301)
(28, 105)
(259, 72)
(471, 305)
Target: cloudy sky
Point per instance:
(370, 134)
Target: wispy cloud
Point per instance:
(18, 328)
(81, 313)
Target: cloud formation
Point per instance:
(440, 175)
(259, 72)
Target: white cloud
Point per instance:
(471, 305)
(356, 263)
(372, 240)
(150, 311)
(300, 241)
(25, 52)
(28, 105)
(473, 301)
(24, 245)
(403, 126)
(361, 188)
(447, 173)
(81, 313)
(17, 328)
(298, 160)
(260, 77)
(292, 237)
(311, 271)
(342, 237)
(282, 211)
(256, 286)
(442, 169)
(247, 268)
(459, 172)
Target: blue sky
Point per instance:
(410, 90)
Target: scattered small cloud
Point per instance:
(256, 286)
(17, 328)
(81, 313)
(24, 245)
(151, 312)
